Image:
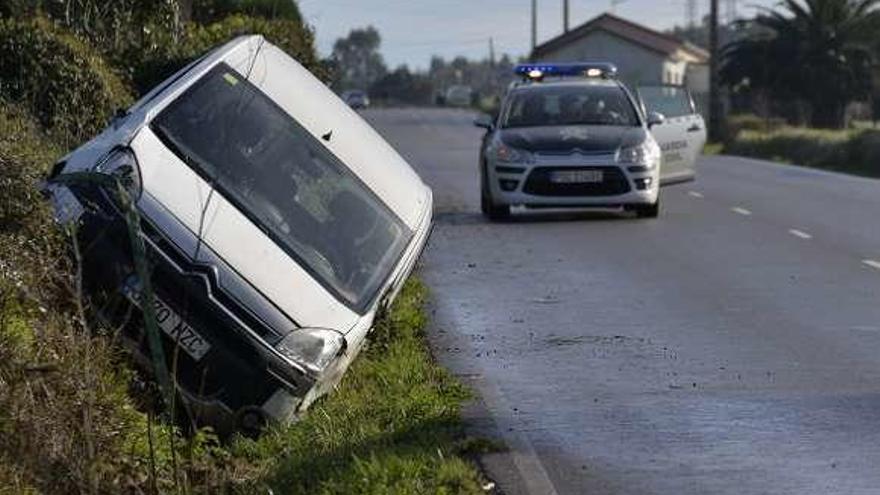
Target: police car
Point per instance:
(572, 135)
(277, 223)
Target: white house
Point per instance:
(642, 55)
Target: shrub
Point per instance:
(850, 151)
(63, 82)
(162, 55)
(212, 10)
(751, 122)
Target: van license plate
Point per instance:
(576, 177)
(170, 322)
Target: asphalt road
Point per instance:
(730, 347)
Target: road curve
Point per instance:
(730, 347)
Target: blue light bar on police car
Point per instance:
(579, 69)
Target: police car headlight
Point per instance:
(123, 166)
(507, 154)
(646, 154)
(315, 349)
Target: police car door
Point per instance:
(681, 137)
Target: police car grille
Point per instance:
(614, 183)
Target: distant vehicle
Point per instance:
(356, 99)
(277, 224)
(459, 96)
(572, 135)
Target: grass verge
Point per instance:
(853, 151)
(392, 427)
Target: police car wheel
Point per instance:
(648, 211)
(490, 210)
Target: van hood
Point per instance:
(587, 139)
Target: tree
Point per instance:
(819, 52)
(206, 11)
(403, 86)
(357, 59)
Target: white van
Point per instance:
(277, 224)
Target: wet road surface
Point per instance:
(730, 347)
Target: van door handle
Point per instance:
(695, 128)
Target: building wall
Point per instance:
(635, 64)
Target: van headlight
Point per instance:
(313, 348)
(122, 165)
(646, 154)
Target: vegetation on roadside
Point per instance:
(815, 56)
(55, 75)
(854, 151)
(393, 425)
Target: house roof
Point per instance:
(648, 38)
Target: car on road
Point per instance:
(356, 99)
(572, 135)
(459, 96)
(276, 225)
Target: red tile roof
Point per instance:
(662, 43)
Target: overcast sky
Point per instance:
(413, 30)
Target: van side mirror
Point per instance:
(655, 118)
(485, 121)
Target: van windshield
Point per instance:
(287, 183)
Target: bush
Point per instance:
(62, 81)
(206, 11)
(161, 55)
(850, 151)
(751, 122)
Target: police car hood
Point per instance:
(586, 138)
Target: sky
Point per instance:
(413, 30)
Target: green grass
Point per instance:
(392, 427)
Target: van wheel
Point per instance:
(491, 211)
(648, 211)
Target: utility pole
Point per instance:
(534, 25)
(692, 13)
(714, 89)
(492, 52)
(565, 16)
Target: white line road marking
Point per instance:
(800, 233)
(695, 194)
(872, 263)
(742, 211)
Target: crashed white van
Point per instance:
(277, 224)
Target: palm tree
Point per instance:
(816, 51)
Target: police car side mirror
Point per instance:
(655, 118)
(484, 121)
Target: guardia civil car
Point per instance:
(277, 224)
(572, 135)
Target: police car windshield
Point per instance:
(286, 182)
(576, 104)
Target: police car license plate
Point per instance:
(576, 176)
(170, 322)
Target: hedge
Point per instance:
(163, 56)
(60, 79)
(850, 151)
